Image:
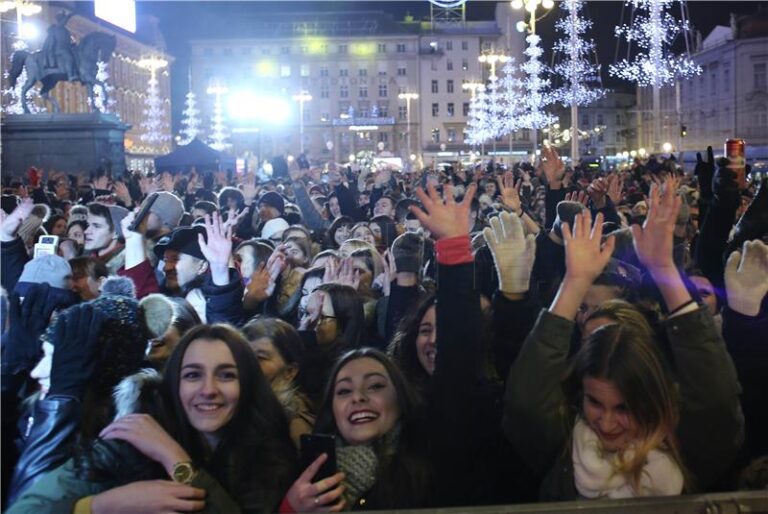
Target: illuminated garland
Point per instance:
(191, 120)
(576, 69)
(155, 131)
(537, 97)
(512, 92)
(98, 95)
(218, 129)
(654, 30)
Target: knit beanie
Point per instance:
(273, 200)
(119, 286)
(50, 269)
(157, 313)
(117, 214)
(168, 208)
(33, 222)
(408, 250)
(274, 228)
(78, 213)
(566, 213)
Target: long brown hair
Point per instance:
(624, 355)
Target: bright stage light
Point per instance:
(248, 105)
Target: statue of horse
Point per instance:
(93, 48)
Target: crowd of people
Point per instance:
(479, 336)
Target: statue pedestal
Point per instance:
(74, 143)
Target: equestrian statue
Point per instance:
(62, 60)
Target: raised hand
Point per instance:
(509, 191)
(149, 496)
(122, 193)
(577, 196)
(585, 258)
(218, 249)
(250, 191)
(597, 191)
(258, 288)
(234, 218)
(654, 240)
(447, 218)
(342, 273)
(552, 166)
(513, 252)
(147, 436)
(321, 496)
(101, 182)
(389, 274)
(746, 278)
(10, 223)
(615, 188)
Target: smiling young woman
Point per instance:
(215, 437)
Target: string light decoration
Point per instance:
(511, 89)
(102, 74)
(155, 131)
(219, 133)
(477, 131)
(13, 94)
(654, 30)
(191, 122)
(495, 110)
(537, 95)
(578, 74)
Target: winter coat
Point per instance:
(112, 464)
(13, 257)
(539, 421)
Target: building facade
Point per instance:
(730, 97)
(358, 68)
(127, 79)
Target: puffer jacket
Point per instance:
(539, 421)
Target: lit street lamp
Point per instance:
(408, 97)
(301, 98)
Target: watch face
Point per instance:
(183, 473)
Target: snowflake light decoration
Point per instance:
(654, 30)
(537, 96)
(576, 70)
(154, 127)
(191, 121)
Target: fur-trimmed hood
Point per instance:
(137, 393)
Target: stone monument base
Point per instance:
(74, 143)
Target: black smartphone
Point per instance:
(314, 445)
(143, 213)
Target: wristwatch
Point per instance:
(183, 473)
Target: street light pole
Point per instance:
(408, 97)
(301, 98)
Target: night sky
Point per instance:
(181, 21)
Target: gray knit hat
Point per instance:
(566, 213)
(408, 250)
(50, 269)
(169, 208)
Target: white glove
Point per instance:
(513, 252)
(746, 278)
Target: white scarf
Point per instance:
(596, 476)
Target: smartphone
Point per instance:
(143, 213)
(314, 445)
(46, 245)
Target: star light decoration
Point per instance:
(477, 130)
(654, 30)
(576, 69)
(219, 133)
(102, 74)
(191, 121)
(154, 128)
(537, 94)
(512, 92)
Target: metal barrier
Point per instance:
(740, 502)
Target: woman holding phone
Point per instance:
(392, 452)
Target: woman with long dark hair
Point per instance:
(219, 441)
